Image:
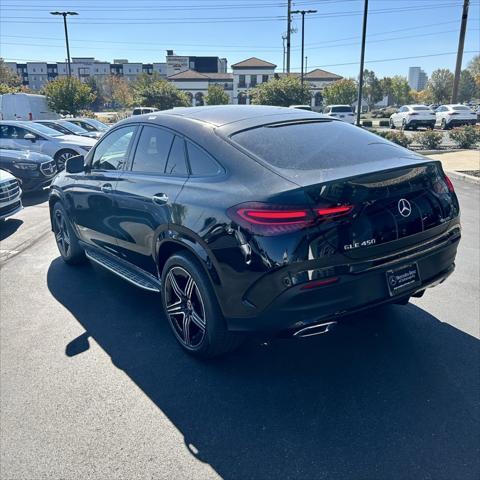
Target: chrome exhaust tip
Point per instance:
(318, 329)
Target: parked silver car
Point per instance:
(42, 139)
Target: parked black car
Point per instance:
(33, 170)
(257, 219)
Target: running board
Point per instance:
(140, 279)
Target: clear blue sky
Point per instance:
(142, 30)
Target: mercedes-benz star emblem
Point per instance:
(404, 207)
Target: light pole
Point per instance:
(64, 15)
(302, 13)
(284, 37)
(362, 59)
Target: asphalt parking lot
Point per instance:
(93, 385)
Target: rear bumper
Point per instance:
(296, 308)
(421, 123)
(459, 122)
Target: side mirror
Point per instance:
(30, 136)
(75, 164)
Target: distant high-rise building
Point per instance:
(417, 78)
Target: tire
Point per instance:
(443, 124)
(192, 309)
(392, 125)
(62, 156)
(67, 242)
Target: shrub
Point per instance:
(87, 114)
(465, 137)
(396, 137)
(384, 123)
(367, 123)
(430, 139)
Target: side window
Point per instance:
(5, 131)
(200, 162)
(18, 133)
(327, 110)
(152, 150)
(111, 153)
(176, 164)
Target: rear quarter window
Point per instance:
(315, 145)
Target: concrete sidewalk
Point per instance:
(461, 161)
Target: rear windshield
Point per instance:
(420, 109)
(38, 127)
(460, 107)
(342, 109)
(98, 124)
(314, 145)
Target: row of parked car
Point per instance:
(33, 152)
(445, 116)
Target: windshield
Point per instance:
(420, 109)
(342, 109)
(312, 146)
(73, 128)
(38, 127)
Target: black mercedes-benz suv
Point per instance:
(257, 219)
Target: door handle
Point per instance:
(160, 198)
(106, 187)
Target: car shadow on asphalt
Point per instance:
(391, 394)
(9, 227)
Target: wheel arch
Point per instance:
(171, 243)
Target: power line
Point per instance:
(389, 59)
(176, 20)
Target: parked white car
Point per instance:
(413, 116)
(342, 112)
(25, 106)
(10, 195)
(449, 116)
(42, 139)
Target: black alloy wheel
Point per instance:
(62, 235)
(185, 307)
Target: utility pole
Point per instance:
(461, 41)
(64, 15)
(362, 58)
(289, 27)
(302, 13)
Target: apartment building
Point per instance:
(193, 75)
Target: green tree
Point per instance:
(117, 90)
(216, 96)
(372, 88)
(97, 90)
(400, 90)
(440, 85)
(467, 89)
(343, 92)
(474, 69)
(10, 82)
(153, 91)
(281, 92)
(68, 95)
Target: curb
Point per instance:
(464, 177)
(440, 152)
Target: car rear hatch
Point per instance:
(390, 210)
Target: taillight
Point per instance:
(449, 185)
(270, 219)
